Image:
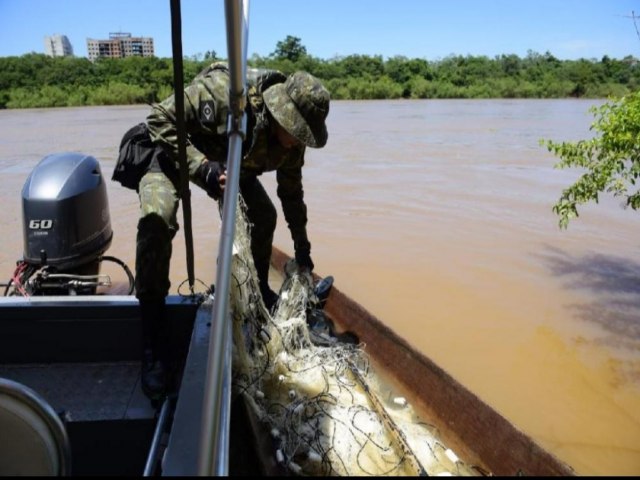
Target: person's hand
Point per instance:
(213, 177)
(303, 259)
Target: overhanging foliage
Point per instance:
(610, 160)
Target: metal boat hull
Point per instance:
(479, 434)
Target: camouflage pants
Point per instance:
(157, 226)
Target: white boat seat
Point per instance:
(33, 439)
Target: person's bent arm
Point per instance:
(205, 116)
(291, 195)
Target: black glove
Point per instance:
(303, 259)
(209, 173)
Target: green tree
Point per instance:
(611, 159)
(78, 81)
(290, 48)
(361, 66)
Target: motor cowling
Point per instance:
(66, 220)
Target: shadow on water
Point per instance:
(613, 286)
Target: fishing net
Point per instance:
(319, 396)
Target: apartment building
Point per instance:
(57, 46)
(120, 45)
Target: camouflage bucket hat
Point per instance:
(300, 105)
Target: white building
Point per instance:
(57, 46)
(120, 45)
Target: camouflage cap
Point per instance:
(300, 105)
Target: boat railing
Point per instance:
(214, 441)
(156, 441)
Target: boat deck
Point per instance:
(86, 391)
(82, 355)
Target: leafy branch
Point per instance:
(611, 159)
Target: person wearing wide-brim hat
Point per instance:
(285, 115)
(300, 105)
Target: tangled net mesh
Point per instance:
(322, 402)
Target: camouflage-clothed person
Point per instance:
(284, 116)
(271, 95)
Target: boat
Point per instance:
(70, 397)
(81, 354)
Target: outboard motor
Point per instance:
(66, 227)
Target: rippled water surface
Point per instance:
(436, 217)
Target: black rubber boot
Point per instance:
(269, 297)
(153, 376)
(154, 370)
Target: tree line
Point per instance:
(36, 80)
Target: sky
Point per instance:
(426, 29)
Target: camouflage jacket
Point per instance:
(206, 109)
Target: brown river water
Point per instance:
(436, 217)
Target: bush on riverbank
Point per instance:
(609, 161)
(35, 80)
